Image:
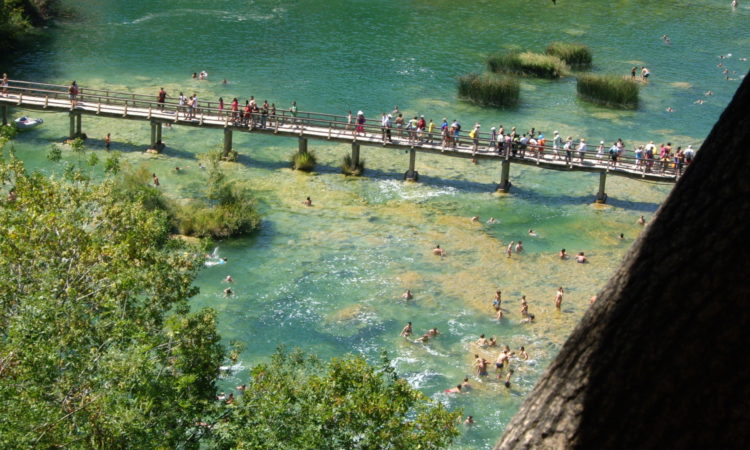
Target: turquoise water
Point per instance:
(329, 278)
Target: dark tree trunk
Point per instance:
(659, 360)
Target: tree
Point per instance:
(299, 402)
(657, 361)
(97, 344)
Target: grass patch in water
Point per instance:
(608, 90)
(572, 54)
(489, 89)
(527, 64)
(348, 167)
(304, 161)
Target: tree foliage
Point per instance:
(97, 344)
(299, 402)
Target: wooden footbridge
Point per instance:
(303, 126)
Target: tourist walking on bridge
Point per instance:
(73, 94)
(161, 98)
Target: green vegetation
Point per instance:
(98, 346)
(489, 89)
(609, 90)
(227, 210)
(99, 349)
(527, 64)
(19, 17)
(572, 54)
(348, 167)
(304, 161)
(299, 402)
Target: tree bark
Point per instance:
(657, 361)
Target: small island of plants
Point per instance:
(527, 64)
(489, 89)
(608, 90)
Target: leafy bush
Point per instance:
(527, 64)
(489, 89)
(299, 402)
(572, 54)
(610, 90)
(304, 161)
(348, 168)
(234, 217)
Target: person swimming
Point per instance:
(438, 251)
(509, 250)
(519, 247)
(407, 295)
(307, 202)
(406, 332)
(563, 255)
(581, 258)
(215, 262)
(532, 233)
(491, 220)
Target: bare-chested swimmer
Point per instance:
(406, 332)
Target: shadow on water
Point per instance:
(563, 199)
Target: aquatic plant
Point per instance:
(304, 161)
(527, 64)
(608, 90)
(572, 54)
(489, 89)
(348, 167)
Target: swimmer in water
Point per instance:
(229, 279)
(499, 314)
(529, 319)
(559, 298)
(563, 255)
(228, 292)
(735, 3)
(433, 332)
(465, 385)
(497, 301)
(425, 337)
(438, 251)
(407, 295)
(307, 202)
(622, 236)
(470, 420)
(522, 354)
(406, 332)
(581, 258)
(509, 250)
(481, 366)
(454, 390)
(482, 341)
(641, 221)
(507, 378)
(666, 39)
(491, 220)
(492, 342)
(519, 247)
(532, 233)
(524, 306)
(475, 219)
(669, 109)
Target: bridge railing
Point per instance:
(339, 125)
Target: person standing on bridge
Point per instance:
(557, 143)
(73, 94)
(293, 112)
(568, 147)
(161, 98)
(221, 106)
(264, 113)
(235, 109)
(430, 130)
(5, 84)
(182, 101)
(582, 147)
(474, 135)
(360, 123)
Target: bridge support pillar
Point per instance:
(355, 154)
(156, 144)
(227, 141)
(72, 133)
(411, 174)
(158, 133)
(601, 196)
(79, 120)
(302, 145)
(5, 115)
(505, 183)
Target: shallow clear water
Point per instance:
(329, 278)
